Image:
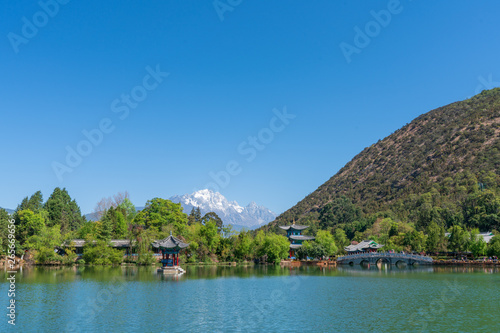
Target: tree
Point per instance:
(195, 215)
(159, 213)
(88, 229)
(494, 246)
(211, 216)
(43, 243)
(340, 210)
(458, 239)
(63, 211)
(435, 237)
(210, 236)
(112, 225)
(312, 250)
(275, 247)
(477, 245)
(325, 239)
(482, 210)
(128, 210)
(242, 245)
(29, 224)
(33, 203)
(340, 239)
(4, 230)
(100, 252)
(120, 198)
(414, 240)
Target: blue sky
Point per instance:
(67, 69)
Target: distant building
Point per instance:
(294, 234)
(78, 244)
(363, 247)
(170, 248)
(487, 236)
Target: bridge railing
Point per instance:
(386, 255)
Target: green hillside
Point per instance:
(442, 167)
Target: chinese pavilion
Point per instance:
(294, 234)
(363, 247)
(170, 248)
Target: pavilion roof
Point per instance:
(81, 243)
(294, 227)
(170, 242)
(364, 245)
(295, 246)
(487, 236)
(301, 237)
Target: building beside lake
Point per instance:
(294, 234)
(365, 246)
(486, 236)
(78, 244)
(170, 248)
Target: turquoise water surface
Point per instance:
(255, 299)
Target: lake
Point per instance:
(255, 299)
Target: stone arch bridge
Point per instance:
(384, 257)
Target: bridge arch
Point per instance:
(383, 260)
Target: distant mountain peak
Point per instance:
(10, 211)
(250, 217)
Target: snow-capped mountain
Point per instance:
(250, 217)
(10, 211)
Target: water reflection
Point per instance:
(58, 274)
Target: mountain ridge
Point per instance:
(459, 138)
(10, 211)
(249, 217)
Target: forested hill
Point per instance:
(439, 159)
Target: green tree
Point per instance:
(242, 245)
(211, 216)
(457, 241)
(160, 213)
(29, 224)
(340, 210)
(275, 247)
(128, 210)
(414, 241)
(195, 215)
(33, 203)
(113, 225)
(313, 250)
(87, 229)
(340, 239)
(494, 246)
(325, 239)
(100, 252)
(210, 236)
(477, 245)
(44, 243)
(436, 239)
(63, 211)
(482, 210)
(4, 230)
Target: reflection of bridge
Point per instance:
(384, 257)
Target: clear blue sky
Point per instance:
(225, 78)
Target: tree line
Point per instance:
(432, 225)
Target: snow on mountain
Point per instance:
(250, 217)
(10, 211)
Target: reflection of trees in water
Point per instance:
(62, 274)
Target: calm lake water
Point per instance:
(255, 299)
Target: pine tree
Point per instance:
(197, 215)
(63, 211)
